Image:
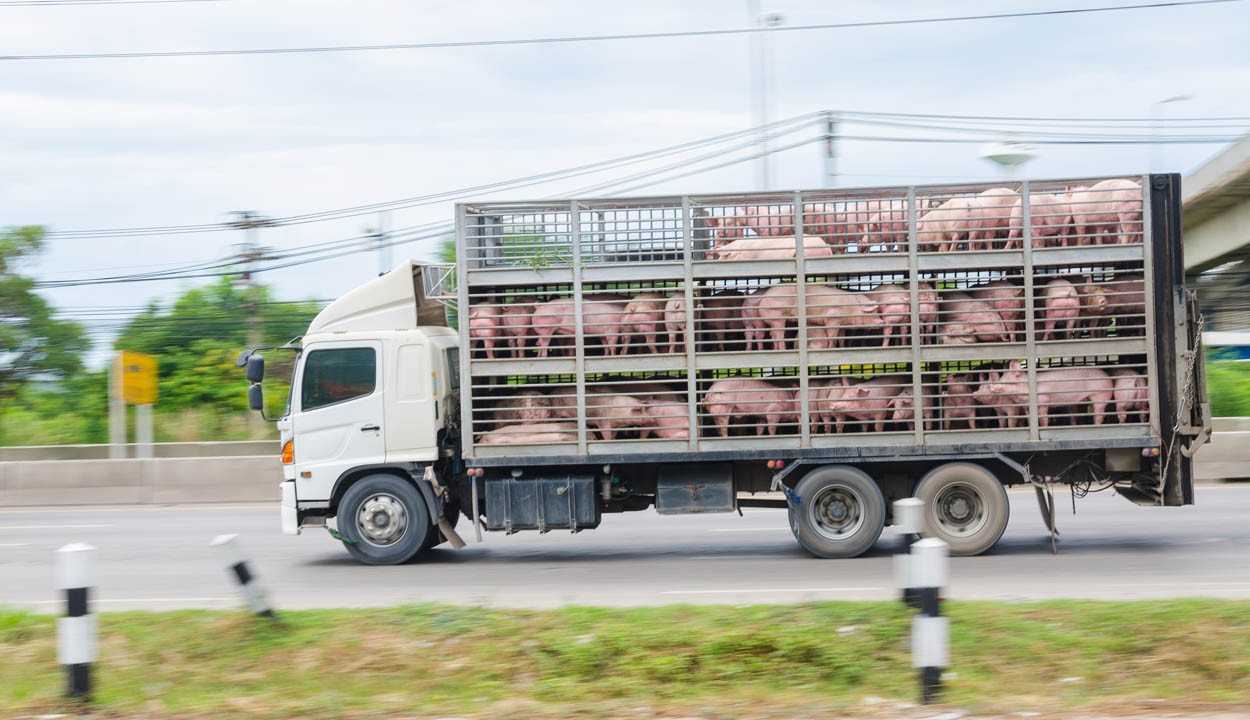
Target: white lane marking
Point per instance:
(767, 529)
(152, 508)
(122, 600)
(14, 544)
(773, 590)
(53, 527)
(732, 557)
(1186, 583)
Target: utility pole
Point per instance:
(831, 151)
(759, 85)
(380, 236)
(1156, 131)
(250, 254)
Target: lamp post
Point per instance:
(1008, 154)
(759, 84)
(1156, 132)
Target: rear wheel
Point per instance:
(383, 520)
(964, 505)
(840, 513)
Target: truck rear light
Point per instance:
(288, 452)
(1150, 452)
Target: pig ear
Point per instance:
(861, 391)
(846, 382)
(994, 376)
(870, 308)
(1013, 365)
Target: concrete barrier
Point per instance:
(238, 479)
(30, 453)
(139, 482)
(255, 477)
(1226, 457)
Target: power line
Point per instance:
(599, 38)
(1009, 118)
(419, 200)
(53, 3)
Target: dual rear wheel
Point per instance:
(841, 511)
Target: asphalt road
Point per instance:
(158, 558)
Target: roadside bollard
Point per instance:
(76, 644)
(908, 516)
(231, 555)
(930, 632)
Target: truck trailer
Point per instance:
(822, 351)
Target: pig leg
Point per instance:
(1100, 401)
(650, 339)
(779, 338)
(880, 425)
(607, 432)
(885, 338)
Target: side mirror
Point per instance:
(256, 397)
(255, 368)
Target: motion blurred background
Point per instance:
(168, 194)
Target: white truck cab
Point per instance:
(371, 394)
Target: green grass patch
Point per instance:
(710, 661)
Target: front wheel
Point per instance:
(840, 512)
(383, 520)
(964, 505)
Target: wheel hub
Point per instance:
(836, 512)
(960, 509)
(382, 520)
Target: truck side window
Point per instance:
(332, 376)
(453, 367)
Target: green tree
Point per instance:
(33, 342)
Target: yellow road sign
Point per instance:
(138, 377)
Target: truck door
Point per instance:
(339, 419)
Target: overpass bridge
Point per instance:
(1216, 223)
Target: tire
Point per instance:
(840, 513)
(383, 520)
(964, 505)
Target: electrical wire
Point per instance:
(600, 38)
(419, 200)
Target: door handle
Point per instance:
(367, 428)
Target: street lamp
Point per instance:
(1008, 153)
(1156, 133)
(759, 75)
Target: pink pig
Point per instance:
(1131, 394)
(734, 399)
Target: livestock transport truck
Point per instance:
(681, 353)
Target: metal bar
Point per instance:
(687, 265)
(1030, 322)
(913, 285)
(1148, 286)
(562, 454)
(466, 350)
(800, 316)
(579, 334)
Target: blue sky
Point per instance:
(118, 143)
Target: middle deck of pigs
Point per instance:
(535, 252)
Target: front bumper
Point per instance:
(290, 514)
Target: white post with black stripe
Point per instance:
(908, 516)
(76, 633)
(930, 632)
(231, 555)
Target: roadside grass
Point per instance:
(714, 661)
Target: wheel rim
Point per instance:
(382, 520)
(960, 510)
(836, 512)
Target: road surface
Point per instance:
(158, 558)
